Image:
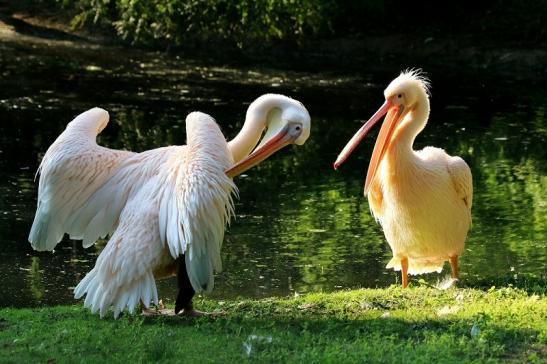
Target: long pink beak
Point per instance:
(393, 115)
(277, 142)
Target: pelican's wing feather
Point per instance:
(99, 215)
(463, 182)
(196, 203)
(123, 274)
(73, 168)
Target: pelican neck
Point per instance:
(412, 124)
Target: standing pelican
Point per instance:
(165, 209)
(421, 198)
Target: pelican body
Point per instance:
(421, 198)
(165, 209)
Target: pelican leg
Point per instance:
(454, 265)
(183, 304)
(404, 271)
(186, 291)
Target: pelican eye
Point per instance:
(297, 128)
(399, 96)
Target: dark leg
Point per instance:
(186, 291)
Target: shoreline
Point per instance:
(453, 53)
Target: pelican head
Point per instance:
(401, 97)
(284, 120)
(407, 89)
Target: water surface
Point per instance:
(300, 227)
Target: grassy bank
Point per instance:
(416, 325)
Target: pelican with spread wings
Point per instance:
(164, 210)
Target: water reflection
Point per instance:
(35, 279)
(300, 226)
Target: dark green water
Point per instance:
(300, 226)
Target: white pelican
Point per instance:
(421, 198)
(165, 209)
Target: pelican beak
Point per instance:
(394, 113)
(356, 139)
(269, 146)
(384, 137)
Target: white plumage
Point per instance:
(145, 200)
(155, 205)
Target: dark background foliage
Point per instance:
(174, 22)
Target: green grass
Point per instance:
(417, 325)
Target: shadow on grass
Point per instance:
(477, 337)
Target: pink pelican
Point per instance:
(421, 198)
(164, 209)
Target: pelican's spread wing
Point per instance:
(73, 168)
(197, 201)
(176, 197)
(463, 183)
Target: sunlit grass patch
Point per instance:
(373, 325)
